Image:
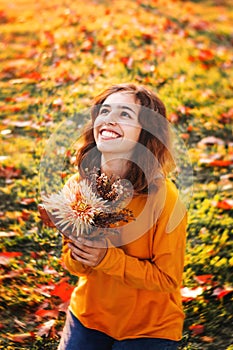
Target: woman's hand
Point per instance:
(88, 252)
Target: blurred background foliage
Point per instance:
(54, 58)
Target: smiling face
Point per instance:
(116, 128)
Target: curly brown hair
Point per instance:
(152, 154)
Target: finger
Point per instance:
(88, 242)
(81, 246)
(83, 260)
(101, 243)
(83, 257)
(79, 252)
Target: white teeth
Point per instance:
(110, 134)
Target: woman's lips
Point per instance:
(107, 134)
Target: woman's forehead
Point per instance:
(121, 97)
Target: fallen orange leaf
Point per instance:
(20, 338)
(47, 313)
(207, 339)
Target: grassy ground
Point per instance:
(54, 57)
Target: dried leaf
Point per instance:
(11, 274)
(21, 338)
(46, 328)
(207, 339)
(210, 141)
(221, 163)
(197, 329)
(225, 204)
(63, 307)
(203, 279)
(5, 257)
(27, 201)
(8, 234)
(190, 293)
(9, 172)
(63, 290)
(44, 216)
(19, 323)
(46, 313)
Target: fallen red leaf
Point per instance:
(184, 136)
(221, 163)
(223, 293)
(189, 128)
(9, 108)
(3, 17)
(205, 55)
(189, 294)
(201, 25)
(63, 290)
(47, 313)
(203, 279)
(191, 58)
(44, 216)
(226, 117)
(9, 172)
(25, 215)
(168, 24)
(183, 109)
(173, 117)
(10, 255)
(27, 201)
(63, 175)
(147, 37)
(34, 255)
(197, 329)
(225, 204)
(127, 61)
(36, 76)
(50, 37)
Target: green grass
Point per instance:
(54, 58)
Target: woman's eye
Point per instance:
(104, 111)
(125, 114)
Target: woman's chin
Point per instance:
(108, 145)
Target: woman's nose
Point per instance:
(111, 118)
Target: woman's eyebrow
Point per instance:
(126, 107)
(120, 106)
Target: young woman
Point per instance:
(128, 292)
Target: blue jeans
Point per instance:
(77, 337)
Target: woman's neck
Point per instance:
(115, 166)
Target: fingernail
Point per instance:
(79, 239)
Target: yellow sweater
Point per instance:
(135, 290)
